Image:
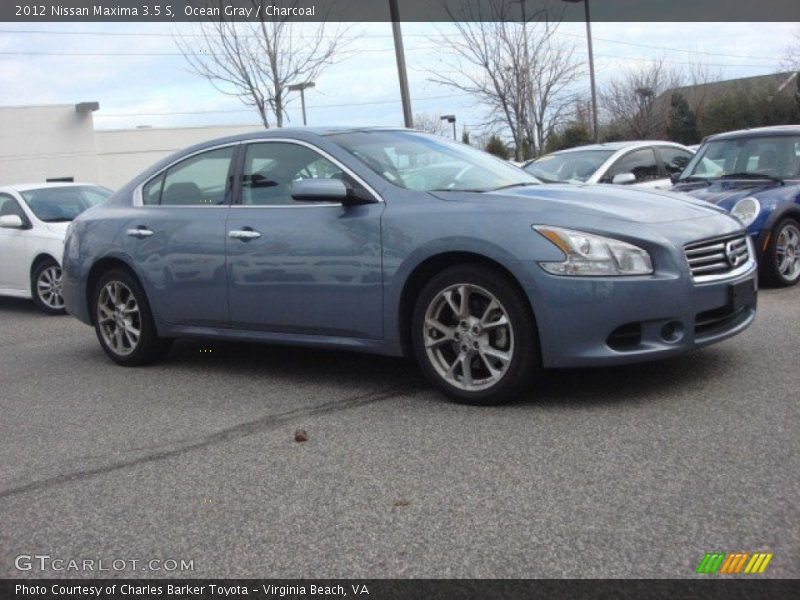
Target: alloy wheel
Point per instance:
(48, 287)
(468, 336)
(787, 252)
(119, 318)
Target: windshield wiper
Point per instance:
(513, 185)
(694, 179)
(748, 175)
(58, 220)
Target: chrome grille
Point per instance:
(712, 259)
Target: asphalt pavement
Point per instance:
(619, 472)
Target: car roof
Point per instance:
(757, 132)
(616, 146)
(26, 187)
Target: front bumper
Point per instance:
(602, 321)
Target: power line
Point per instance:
(242, 110)
(378, 36)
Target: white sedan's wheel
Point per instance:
(46, 287)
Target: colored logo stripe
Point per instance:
(733, 563)
(758, 563)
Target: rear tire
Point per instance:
(782, 259)
(46, 287)
(123, 322)
(474, 335)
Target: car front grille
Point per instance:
(714, 259)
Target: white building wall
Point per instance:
(41, 142)
(123, 153)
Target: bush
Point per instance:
(496, 146)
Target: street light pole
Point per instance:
(401, 63)
(591, 64)
(301, 87)
(450, 119)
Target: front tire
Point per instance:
(123, 322)
(782, 268)
(474, 335)
(46, 287)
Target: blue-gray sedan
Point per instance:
(397, 242)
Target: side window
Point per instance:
(151, 192)
(642, 163)
(9, 206)
(197, 181)
(674, 160)
(271, 167)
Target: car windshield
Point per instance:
(769, 156)
(62, 204)
(427, 163)
(568, 167)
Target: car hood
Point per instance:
(727, 193)
(605, 201)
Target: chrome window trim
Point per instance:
(137, 193)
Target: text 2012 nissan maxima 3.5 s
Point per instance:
(393, 242)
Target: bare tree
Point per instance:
(429, 122)
(630, 100)
(518, 70)
(257, 61)
(791, 59)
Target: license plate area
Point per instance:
(742, 294)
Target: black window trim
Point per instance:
(625, 155)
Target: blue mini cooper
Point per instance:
(755, 174)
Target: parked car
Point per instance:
(33, 221)
(398, 242)
(645, 164)
(755, 174)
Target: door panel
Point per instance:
(302, 267)
(15, 262)
(177, 238)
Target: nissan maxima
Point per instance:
(401, 243)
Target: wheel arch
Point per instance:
(101, 266)
(39, 259)
(431, 266)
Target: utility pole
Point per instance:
(591, 64)
(401, 63)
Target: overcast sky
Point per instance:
(64, 64)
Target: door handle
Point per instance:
(140, 232)
(244, 234)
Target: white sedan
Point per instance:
(646, 164)
(33, 224)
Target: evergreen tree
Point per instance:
(682, 126)
(496, 146)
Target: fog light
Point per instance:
(672, 331)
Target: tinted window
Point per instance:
(573, 167)
(674, 160)
(9, 206)
(270, 168)
(60, 204)
(642, 163)
(196, 181)
(151, 192)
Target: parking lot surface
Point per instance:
(621, 472)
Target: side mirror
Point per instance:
(11, 222)
(674, 177)
(330, 190)
(624, 178)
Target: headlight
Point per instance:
(746, 210)
(590, 254)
